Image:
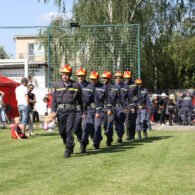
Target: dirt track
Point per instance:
(157, 126)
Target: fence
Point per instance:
(46, 48)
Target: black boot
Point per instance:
(119, 140)
(108, 142)
(128, 138)
(67, 152)
(128, 135)
(133, 139)
(145, 134)
(72, 148)
(83, 148)
(96, 146)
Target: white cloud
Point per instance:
(47, 17)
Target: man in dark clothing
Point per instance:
(162, 105)
(179, 106)
(187, 109)
(91, 116)
(130, 121)
(109, 111)
(66, 96)
(32, 101)
(101, 92)
(120, 106)
(143, 103)
(171, 108)
(81, 75)
(155, 107)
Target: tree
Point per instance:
(182, 51)
(160, 21)
(3, 54)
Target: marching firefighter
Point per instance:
(101, 91)
(91, 114)
(109, 112)
(65, 97)
(143, 103)
(81, 75)
(130, 121)
(119, 106)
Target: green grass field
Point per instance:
(164, 164)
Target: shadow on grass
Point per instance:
(151, 139)
(48, 134)
(121, 147)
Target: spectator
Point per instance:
(179, 106)
(171, 107)
(48, 99)
(32, 101)
(2, 110)
(155, 107)
(50, 123)
(23, 103)
(162, 104)
(16, 131)
(187, 109)
(150, 96)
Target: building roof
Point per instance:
(26, 37)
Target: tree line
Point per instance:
(167, 35)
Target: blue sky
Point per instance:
(24, 13)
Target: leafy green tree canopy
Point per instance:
(3, 54)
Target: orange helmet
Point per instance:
(66, 68)
(118, 74)
(138, 81)
(81, 71)
(94, 75)
(127, 74)
(107, 74)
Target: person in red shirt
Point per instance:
(16, 132)
(48, 99)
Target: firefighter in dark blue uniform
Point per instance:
(119, 107)
(101, 91)
(91, 115)
(81, 74)
(179, 106)
(143, 103)
(130, 121)
(187, 109)
(109, 112)
(65, 97)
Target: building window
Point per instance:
(31, 52)
(35, 50)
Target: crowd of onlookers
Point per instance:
(173, 109)
(178, 109)
(26, 101)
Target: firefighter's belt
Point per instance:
(66, 106)
(78, 107)
(92, 105)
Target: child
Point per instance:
(50, 123)
(16, 132)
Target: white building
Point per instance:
(30, 62)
